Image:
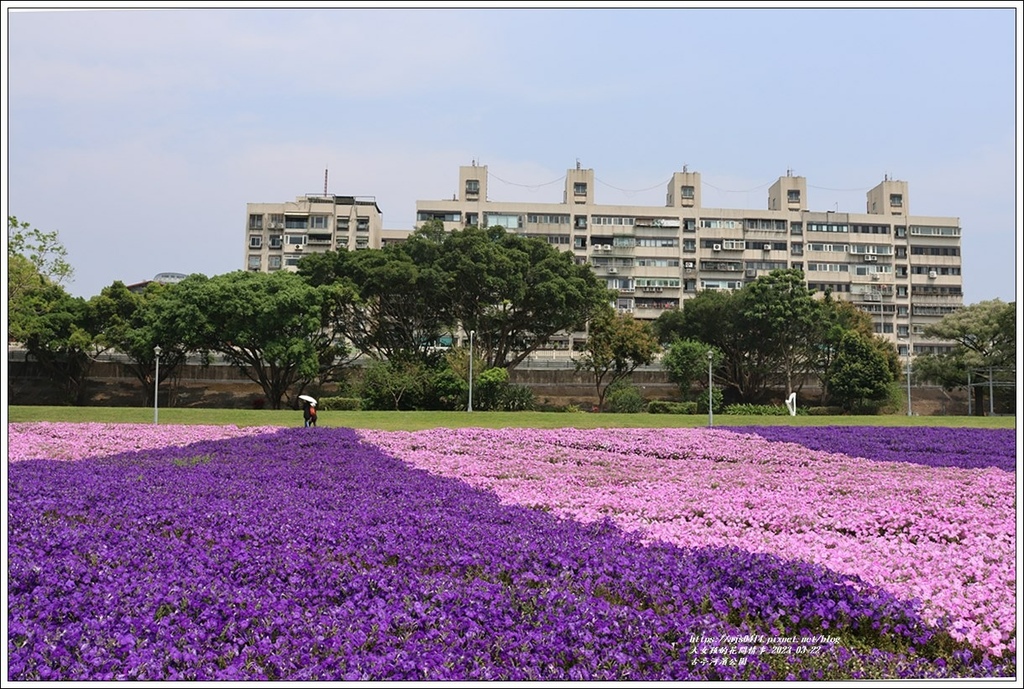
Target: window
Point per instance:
(613, 220)
(686, 192)
(318, 222)
(716, 224)
(274, 263)
(296, 239)
(255, 221)
(343, 224)
(472, 187)
(579, 188)
(796, 228)
(275, 241)
(255, 241)
(435, 215)
(362, 224)
(927, 231)
(276, 221)
(506, 220)
(555, 219)
(296, 222)
(826, 227)
(896, 200)
(254, 263)
(793, 196)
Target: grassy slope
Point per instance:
(433, 419)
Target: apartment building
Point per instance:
(277, 235)
(902, 269)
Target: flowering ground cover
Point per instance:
(307, 554)
(69, 441)
(965, 448)
(943, 536)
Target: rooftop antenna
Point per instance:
(577, 163)
(325, 181)
(685, 167)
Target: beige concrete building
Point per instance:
(903, 269)
(277, 235)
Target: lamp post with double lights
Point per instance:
(470, 406)
(156, 386)
(711, 413)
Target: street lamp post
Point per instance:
(156, 386)
(711, 413)
(470, 407)
(910, 410)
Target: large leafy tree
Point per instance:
(780, 315)
(985, 336)
(34, 257)
(862, 372)
(130, 322)
(266, 324)
(687, 363)
(515, 292)
(59, 333)
(57, 330)
(385, 303)
(836, 318)
(616, 345)
(716, 318)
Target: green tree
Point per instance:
(388, 306)
(779, 316)
(985, 336)
(266, 324)
(687, 364)
(716, 318)
(33, 255)
(616, 345)
(58, 332)
(128, 323)
(393, 384)
(835, 318)
(862, 374)
(515, 292)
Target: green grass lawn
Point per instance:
(417, 420)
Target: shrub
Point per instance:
(663, 407)
(625, 398)
(760, 410)
(825, 411)
(339, 404)
(517, 398)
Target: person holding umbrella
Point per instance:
(308, 410)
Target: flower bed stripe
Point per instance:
(943, 536)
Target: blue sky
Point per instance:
(140, 134)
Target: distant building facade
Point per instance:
(277, 235)
(902, 269)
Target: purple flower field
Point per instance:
(329, 554)
(966, 448)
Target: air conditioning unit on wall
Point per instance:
(716, 247)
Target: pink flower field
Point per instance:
(943, 536)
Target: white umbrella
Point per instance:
(309, 399)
